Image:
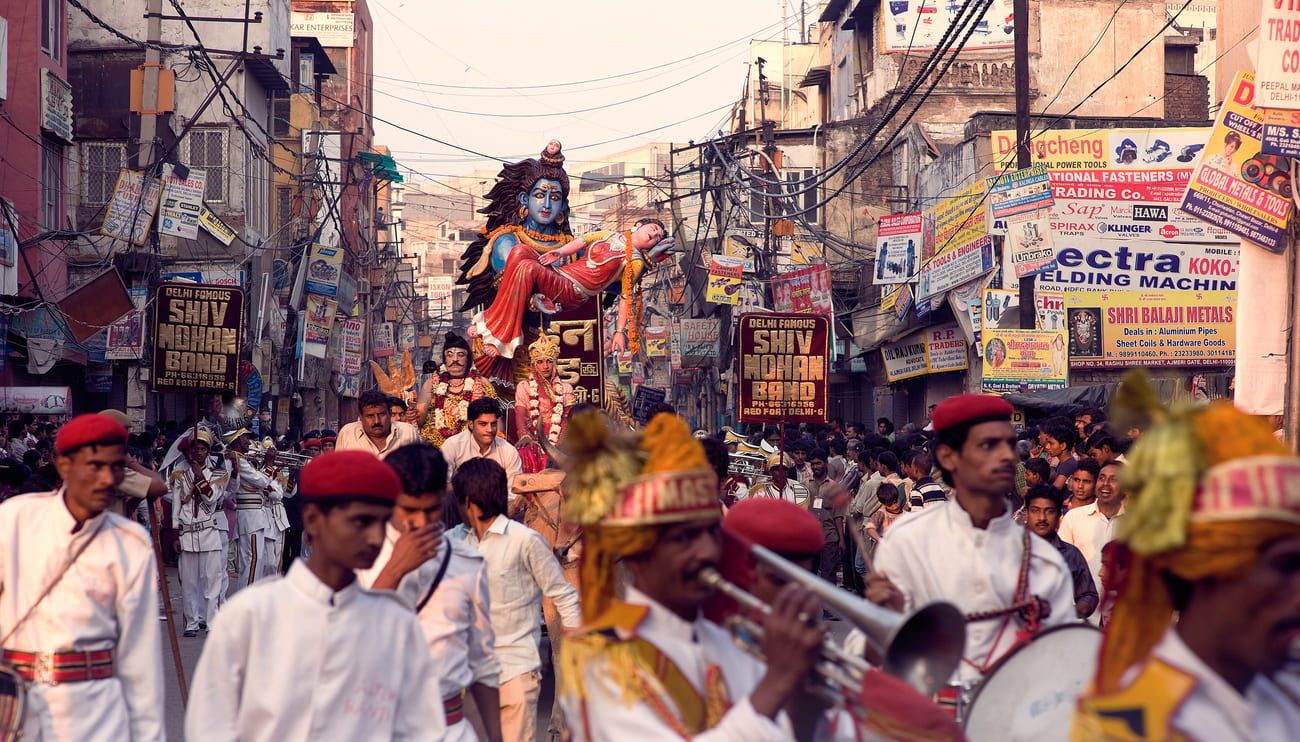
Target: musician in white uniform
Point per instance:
(1208, 616)
(197, 491)
(445, 581)
(313, 655)
(276, 515)
(968, 551)
(90, 649)
(652, 666)
(251, 489)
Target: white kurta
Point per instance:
(109, 598)
(1214, 710)
(290, 660)
(455, 620)
(202, 524)
(936, 554)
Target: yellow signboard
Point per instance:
(1024, 360)
(1151, 328)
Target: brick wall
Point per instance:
(1187, 97)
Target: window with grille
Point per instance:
(51, 183)
(206, 151)
(256, 193)
(100, 163)
(284, 214)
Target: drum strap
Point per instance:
(1029, 608)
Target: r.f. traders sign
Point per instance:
(197, 335)
(783, 367)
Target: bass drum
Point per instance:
(1030, 694)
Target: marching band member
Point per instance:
(276, 513)
(311, 445)
(1209, 612)
(79, 599)
(250, 487)
(968, 551)
(445, 581)
(197, 491)
(313, 655)
(651, 666)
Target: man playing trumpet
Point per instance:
(651, 666)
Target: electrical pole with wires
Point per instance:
(1020, 21)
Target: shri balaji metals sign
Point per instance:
(783, 367)
(197, 335)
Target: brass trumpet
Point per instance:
(287, 459)
(922, 648)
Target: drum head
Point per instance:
(1030, 694)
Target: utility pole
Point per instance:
(145, 156)
(1020, 11)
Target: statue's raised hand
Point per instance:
(550, 258)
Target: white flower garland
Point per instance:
(535, 413)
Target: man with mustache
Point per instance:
(968, 550)
(313, 655)
(79, 599)
(651, 665)
(375, 431)
(445, 397)
(1208, 615)
(1043, 515)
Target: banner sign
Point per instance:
(919, 25)
(330, 29)
(700, 341)
(1024, 360)
(1020, 192)
(1049, 310)
(742, 243)
(319, 319)
(1096, 265)
(131, 209)
(725, 273)
(643, 399)
(1117, 183)
(995, 304)
(1281, 134)
(783, 367)
(383, 340)
(803, 291)
(899, 238)
(1278, 63)
(182, 203)
(439, 291)
(582, 356)
(955, 267)
(656, 341)
(125, 337)
(1235, 186)
(1114, 329)
(954, 223)
(37, 400)
(324, 266)
(675, 345)
(1029, 246)
(933, 350)
(351, 332)
(197, 337)
(898, 301)
(213, 225)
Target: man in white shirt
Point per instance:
(276, 513)
(197, 491)
(445, 582)
(91, 649)
(521, 569)
(968, 551)
(1092, 526)
(1210, 610)
(313, 655)
(375, 430)
(252, 490)
(479, 439)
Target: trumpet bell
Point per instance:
(926, 647)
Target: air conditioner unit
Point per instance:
(363, 287)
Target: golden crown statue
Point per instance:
(545, 347)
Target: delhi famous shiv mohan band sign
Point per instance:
(197, 336)
(783, 367)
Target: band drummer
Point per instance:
(90, 649)
(313, 655)
(969, 551)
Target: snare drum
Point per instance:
(1031, 693)
(13, 695)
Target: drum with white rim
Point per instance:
(1031, 693)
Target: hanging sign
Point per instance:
(182, 204)
(898, 243)
(1112, 329)
(725, 273)
(197, 337)
(1024, 360)
(1278, 65)
(130, 211)
(783, 367)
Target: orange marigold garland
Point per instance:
(631, 295)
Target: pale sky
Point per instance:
(496, 45)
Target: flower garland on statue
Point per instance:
(444, 420)
(632, 296)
